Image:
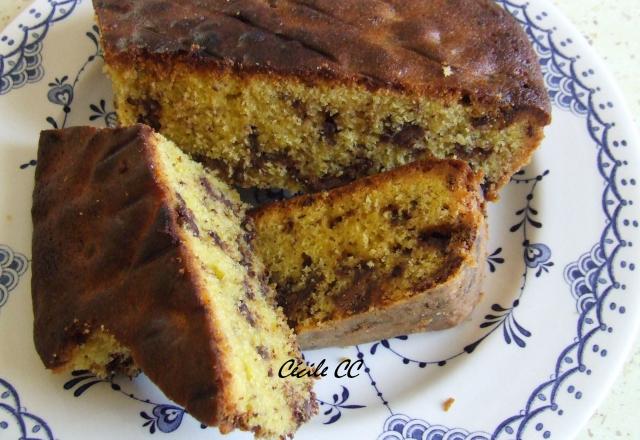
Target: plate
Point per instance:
(534, 360)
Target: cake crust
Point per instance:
(468, 50)
(80, 286)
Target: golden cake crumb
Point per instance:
(447, 404)
(390, 254)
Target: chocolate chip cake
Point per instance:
(142, 260)
(399, 252)
(311, 94)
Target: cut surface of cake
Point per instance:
(142, 260)
(311, 94)
(387, 255)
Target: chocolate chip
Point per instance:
(397, 270)
(248, 290)
(335, 221)
(185, 217)
(149, 111)
(361, 293)
(248, 315)
(481, 121)
(217, 195)
(465, 100)
(218, 240)
(408, 135)
(435, 237)
(263, 352)
(245, 253)
(306, 260)
(329, 128)
(530, 131)
(300, 108)
(387, 130)
(253, 140)
(119, 363)
(295, 299)
(288, 226)
(397, 215)
(392, 209)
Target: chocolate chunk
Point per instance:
(185, 217)
(263, 352)
(248, 290)
(217, 195)
(530, 131)
(288, 226)
(481, 121)
(218, 241)
(294, 299)
(300, 108)
(393, 211)
(253, 140)
(119, 363)
(358, 167)
(436, 237)
(149, 110)
(397, 215)
(408, 135)
(360, 294)
(245, 254)
(248, 315)
(387, 130)
(330, 128)
(335, 221)
(397, 270)
(306, 260)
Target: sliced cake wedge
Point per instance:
(141, 260)
(395, 253)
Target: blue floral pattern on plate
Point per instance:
(12, 266)
(14, 418)
(22, 64)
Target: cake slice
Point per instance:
(387, 255)
(142, 260)
(311, 94)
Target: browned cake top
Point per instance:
(469, 48)
(106, 256)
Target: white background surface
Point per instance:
(613, 28)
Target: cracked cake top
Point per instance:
(463, 49)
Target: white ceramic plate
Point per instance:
(534, 360)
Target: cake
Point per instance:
(142, 261)
(306, 95)
(386, 255)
